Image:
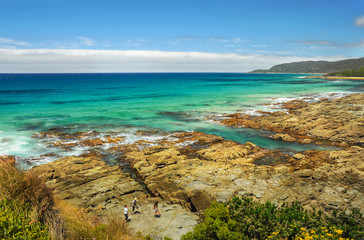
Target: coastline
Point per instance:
(329, 121)
(193, 169)
(187, 170)
(334, 77)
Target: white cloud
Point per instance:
(135, 42)
(82, 60)
(360, 21)
(79, 43)
(359, 44)
(224, 40)
(259, 46)
(320, 44)
(11, 43)
(86, 41)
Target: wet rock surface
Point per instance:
(338, 121)
(186, 171)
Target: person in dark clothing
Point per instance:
(157, 213)
(134, 206)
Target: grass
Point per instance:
(26, 197)
(80, 225)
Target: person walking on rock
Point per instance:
(157, 213)
(126, 213)
(134, 205)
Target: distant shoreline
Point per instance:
(335, 77)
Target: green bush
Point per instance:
(27, 189)
(15, 223)
(349, 73)
(242, 218)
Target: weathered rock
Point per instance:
(193, 169)
(218, 171)
(284, 137)
(194, 176)
(338, 121)
(89, 183)
(299, 156)
(173, 223)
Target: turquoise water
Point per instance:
(164, 102)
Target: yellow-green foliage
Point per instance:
(28, 210)
(318, 233)
(242, 218)
(349, 73)
(15, 223)
(26, 189)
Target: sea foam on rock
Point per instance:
(337, 121)
(193, 169)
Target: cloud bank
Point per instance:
(11, 43)
(360, 21)
(92, 61)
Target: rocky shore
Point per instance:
(337, 121)
(186, 171)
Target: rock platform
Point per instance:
(338, 121)
(186, 171)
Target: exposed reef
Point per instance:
(186, 171)
(337, 121)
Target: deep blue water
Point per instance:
(165, 102)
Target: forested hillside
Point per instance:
(316, 66)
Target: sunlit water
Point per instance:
(165, 102)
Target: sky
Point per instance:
(175, 35)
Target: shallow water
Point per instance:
(164, 102)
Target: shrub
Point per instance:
(42, 216)
(350, 73)
(26, 189)
(15, 222)
(242, 218)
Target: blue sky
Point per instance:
(242, 32)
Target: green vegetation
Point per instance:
(16, 223)
(18, 188)
(349, 73)
(28, 210)
(315, 66)
(242, 218)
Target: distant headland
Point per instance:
(346, 68)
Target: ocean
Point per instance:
(122, 104)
